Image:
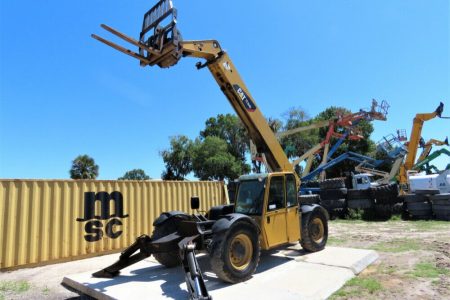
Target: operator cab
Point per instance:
(250, 194)
(271, 200)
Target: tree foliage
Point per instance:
(83, 167)
(229, 128)
(135, 174)
(297, 144)
(211, 160)
(177, 159)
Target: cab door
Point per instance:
(292, 212)
(275, 216)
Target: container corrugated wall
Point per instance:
(44, 221)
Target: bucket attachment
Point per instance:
(159, 41)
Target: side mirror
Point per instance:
(195, 202)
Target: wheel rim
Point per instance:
(317, 230)
(240, 251)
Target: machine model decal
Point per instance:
(248, 103)
(227, 66)
(94, 226)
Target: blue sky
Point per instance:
(63, 93)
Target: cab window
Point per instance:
(291, 191)
(276, 193)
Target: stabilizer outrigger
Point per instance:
(144, 247)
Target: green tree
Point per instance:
(177, 159)
(230, 129)
(83, 167)
(135, 174)
(295, 116)
(212, 161)
(297, 144)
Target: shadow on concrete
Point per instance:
(171, 280)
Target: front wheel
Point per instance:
(235, 253)
(314, 230)
(172, 258)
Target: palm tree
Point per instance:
(83, 167)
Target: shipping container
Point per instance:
(47, 221)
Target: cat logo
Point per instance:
(94, 225)
(248, 103)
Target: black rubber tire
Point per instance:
(426, 192)
(385, 194)
(309, 229)
(397, 208)
(443, 217)
(219, 253)
(332, 183)
(311, 184)
(421, 216)
(405, 214)
(441, 208)
(334, 204)
(441, 198)
(419, 210)
(441, 202)
(168, 259)
(383, 211)
(309, 199)
(413, 198)
(419, 206)
(358, 194)
(331, 194)
(360, 203)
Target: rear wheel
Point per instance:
(235, 253)
(314, 230)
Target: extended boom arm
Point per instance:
(164, 47)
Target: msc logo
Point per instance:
(94, 226)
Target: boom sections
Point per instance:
(414, 141)
(416, 134)
(163, 46)
(237, 93)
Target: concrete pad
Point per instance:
(354, 259)
(282, 274)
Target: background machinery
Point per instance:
(266, 212)
(425, 164)
(428, 146)
(342, 127)
(413, 144)
(359, 190)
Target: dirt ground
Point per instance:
(414, 263)
(414, 259)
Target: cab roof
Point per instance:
(259, 176)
